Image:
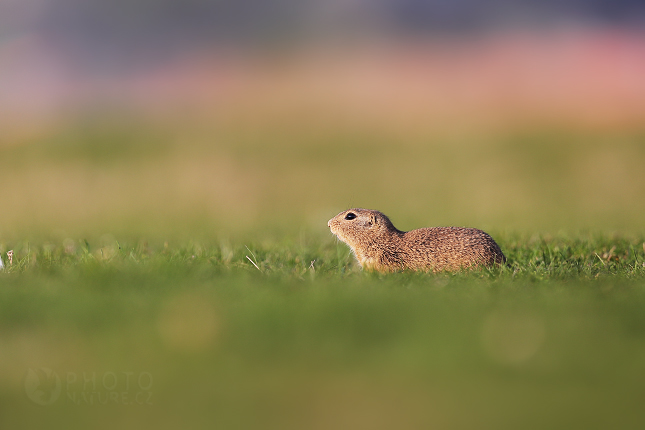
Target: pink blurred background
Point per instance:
(389, 64)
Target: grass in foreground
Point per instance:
(195, 335)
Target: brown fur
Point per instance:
(380, 246)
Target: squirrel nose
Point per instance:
(329, 223)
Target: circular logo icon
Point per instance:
(42, 386)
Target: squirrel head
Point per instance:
(358, 227)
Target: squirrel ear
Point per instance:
(373, 220)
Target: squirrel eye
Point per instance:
(350, 215)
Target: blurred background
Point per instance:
(244, 117)
(238, 122)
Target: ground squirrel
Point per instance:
(380, 246)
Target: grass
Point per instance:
(305, 339)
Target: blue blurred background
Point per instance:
(130, 33)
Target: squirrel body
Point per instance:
(379, 246)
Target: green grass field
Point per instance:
(132, 300)
(556, 340)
